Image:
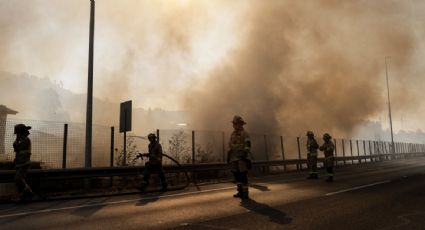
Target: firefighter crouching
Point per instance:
(328, 149)
(240, 147)
(22, 148)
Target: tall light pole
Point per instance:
(389, 105)
(89, 111)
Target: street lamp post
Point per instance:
(389, 105)
(89, 111)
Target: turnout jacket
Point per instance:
(155, 153)
(22, 148)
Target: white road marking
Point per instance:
(112, 202)
(171, 195)
(126, 201)
(357, 188)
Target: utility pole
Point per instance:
(89, 114)
(389, 106)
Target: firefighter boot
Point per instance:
(245, 193)
(239, 193)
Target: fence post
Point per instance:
(157, 135)
(387, 150)
(193, 147)
(358, 151)
(224, 147)
(283, 153)
(364, 151)
(370, 152)
(111, 149)
(343, 150)
(377, 151)
(351, 151)
(396, 150)
(336, 153)
(381, 152)
(65, 143)
(299, 165)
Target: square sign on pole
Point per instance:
(125, 116)
(125, 125)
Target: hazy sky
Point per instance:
(148, 51)
(181, 54)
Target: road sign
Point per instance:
(125, 116)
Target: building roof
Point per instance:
(5, 110)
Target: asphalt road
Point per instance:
(385, 195)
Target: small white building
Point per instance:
(4, 111)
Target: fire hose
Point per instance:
(139, 155)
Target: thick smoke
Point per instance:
(286, 66)
(309, 65)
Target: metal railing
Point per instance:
(6, 176)
(61, 146)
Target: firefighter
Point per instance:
(237, 157)
(22, 162)
(312, 147)
(154, 163)
(328, 149)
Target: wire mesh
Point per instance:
(209, 147)
(47, 139)
(177, 144)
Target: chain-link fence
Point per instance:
(59, 145)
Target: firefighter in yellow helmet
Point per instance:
(312, 147)
(239, 149)
(328, 149)
(22, 148)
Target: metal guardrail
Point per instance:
(7, 176)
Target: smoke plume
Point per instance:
(309, 65)
(285, 66)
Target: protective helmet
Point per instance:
(310, 133)
(152, 136)
(238, 120)
(21, 128)
(326, 136)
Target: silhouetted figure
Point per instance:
(328, 149)
(240, 147)
(154, 164)
(312, 147)
(22, 162)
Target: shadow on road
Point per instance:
(144, 200)
(86, 210)
(260, 187)
(273, 214)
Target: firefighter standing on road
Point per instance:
(154, 163)
(22, 148)
(328, 149)
(240, 147)
(312, 147)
